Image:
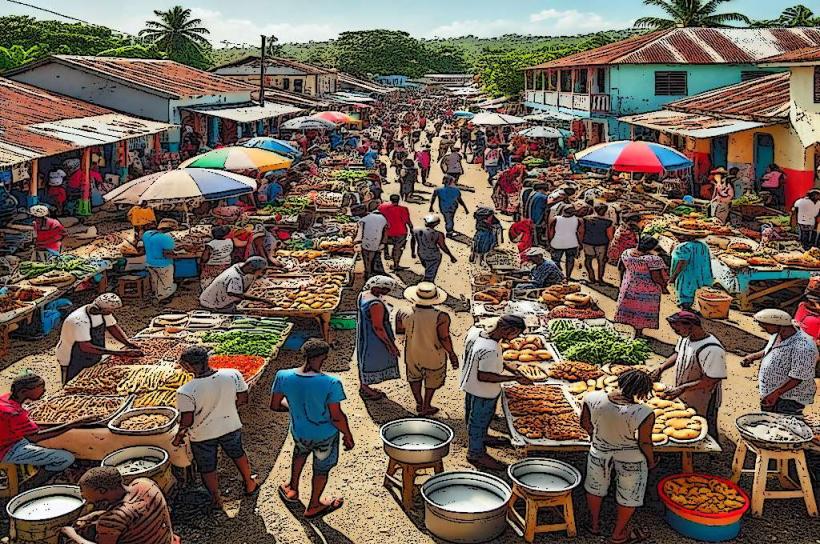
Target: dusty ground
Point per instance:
(371, 512)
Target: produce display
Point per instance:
(65, 263)
(241, 342)
(534, 162)
(320, 293)
(543, 412)
(526, 349)
(67, 408)
(492, 295)
(807, 259)
(675, 421)
(748, 199)
(153, 349)
(249, 323)
(10, 303)
(565, 312)
(532, 372)
(125, 380)
(248, 365)
(333, 265)
(350, 176)
(554, 295)
(156, 398)
(334, 246)
(599, 346)
(143, 422)
(328, 199)
(574, 371)
(703, 494)
(301, 255)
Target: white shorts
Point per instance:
(632, 479)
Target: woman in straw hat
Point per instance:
(427, 344)
(376, 350)
(691, 268)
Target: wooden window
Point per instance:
(554, 80)
(817, 84)
(600, 80)
(298, 85)
(672, 83)
(566, 81)
(286, 84)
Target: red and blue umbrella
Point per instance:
(633, 157)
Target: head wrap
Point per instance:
(168, 224)
(108, 301)
(684, 317)
(531, 252)
(431, 219)
(775, 317)
(256, 263)
(39, 211)
(383, 282)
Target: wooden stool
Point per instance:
(793, 490)
(532, 505)
(15, 475)
(133, 287)
(409, 473)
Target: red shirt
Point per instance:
(14, 423)
(809, 321)
(49, 236)
(397, 218)
(524, 228)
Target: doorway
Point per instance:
(764, 153)
(720, 151)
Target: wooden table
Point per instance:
(687, 451)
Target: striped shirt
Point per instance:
(793, 358)
(142, 517)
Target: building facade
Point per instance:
(281, 73)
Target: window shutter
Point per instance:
(817, 84)
(671, 83)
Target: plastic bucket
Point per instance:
(713, 304)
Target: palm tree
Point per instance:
(176, 33)
(690, 13)
(794, 16)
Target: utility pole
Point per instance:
(262, 74)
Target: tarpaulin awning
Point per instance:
(247, 113)
(690, 124)
(98, 129)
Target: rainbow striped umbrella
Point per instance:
(238, 159)
(188, 185)
(633, 157)
(337, 117)
(280, 147)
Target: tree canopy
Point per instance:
(181, 37)
(690, 13)
(798, 15)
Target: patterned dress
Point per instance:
(376, 364)
(639, 299)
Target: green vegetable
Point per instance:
(599, 346)
(243, 342)
(349, 176)
(749, 199)
(683, 210)
(64, 263)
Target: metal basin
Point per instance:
(465, 506)
(544, 477)
(774, 431)
(39, 514)
(416, 440)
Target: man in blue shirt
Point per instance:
(313, 399)
(159, 252)
(545, 273)
(449, 197)
(537, 210)
(371, 156)
(273, 189)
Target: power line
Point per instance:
(63, 15)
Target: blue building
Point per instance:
(644, 73)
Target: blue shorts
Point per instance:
(205, 452)
(325, 452)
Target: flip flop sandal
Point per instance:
(635, 536)
(255, 490)
(328, 508)
(283, 494)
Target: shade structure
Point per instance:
(497, 119)
(239, 158)
(463, 114)
(188, 185)
(336, 117)
(308, 123)
(634, 157)
(280, 147)
(544, 132)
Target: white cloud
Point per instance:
(238, 31)
(544, 23)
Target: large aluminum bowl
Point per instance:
(544, 477)
(791, 433)
(416, 440)
(465, 506)
(43, 523)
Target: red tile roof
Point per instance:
(164, 77)
(694, 45)
(806, 54)
(762, 99)
(22, 105)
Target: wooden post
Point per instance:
(262, 74)
(35, 174)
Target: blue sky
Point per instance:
(238, 21)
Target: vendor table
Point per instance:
(686, 451)
(94, 444)
(12, 324)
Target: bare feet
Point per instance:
(324, 507)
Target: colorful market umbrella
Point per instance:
(629, 156)
(239, 158)
(464, 114)
(496, 119)
(336, 117)
(188, 185)
(280, 147)
(544, 132)
(308, 123)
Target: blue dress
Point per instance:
(696, 274)
(376, 364)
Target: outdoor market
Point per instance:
(598, 333)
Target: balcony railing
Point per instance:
(597, 103)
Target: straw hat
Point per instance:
(168, 224)
(38, 211)
(775, 317)
(425, 293)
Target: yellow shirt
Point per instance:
(139, 217)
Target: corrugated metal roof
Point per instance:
(369, 86)
(762, 99)
(164, 77)
(695, 45)
(690, 124)
(808, 55)
(295, 99)
(254, 60)
(247, 113)
(37, 123)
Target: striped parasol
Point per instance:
(238, 159)
(633, 157)
(188, 185)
